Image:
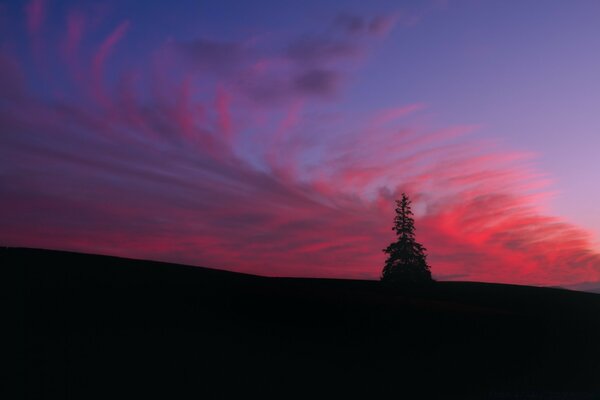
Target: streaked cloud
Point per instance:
(229, 156)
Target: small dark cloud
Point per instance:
(304, 66)
(213, 55)
(380, 25)
(319, 82)
(350, 23)
(317, 50)
(358, 25)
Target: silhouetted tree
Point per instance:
(406, 260)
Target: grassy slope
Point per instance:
(94, 326)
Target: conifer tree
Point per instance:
(406, 260)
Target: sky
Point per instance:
(272, 137)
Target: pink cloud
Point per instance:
(186, 172)
(222, 105)
(101, 56)
(35, 11)
(512, 242)
(76, 24)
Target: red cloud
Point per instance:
(186, 174)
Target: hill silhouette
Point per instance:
(93, 326)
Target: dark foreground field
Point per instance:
(102, 327)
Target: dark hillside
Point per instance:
(103, 327)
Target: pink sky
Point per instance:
(255, 152)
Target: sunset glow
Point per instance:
(258, 144)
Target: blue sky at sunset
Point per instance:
(272, 137)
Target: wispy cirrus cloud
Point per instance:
(101, 56)
(75, 30)
(166, 167)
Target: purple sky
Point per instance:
(272, 137)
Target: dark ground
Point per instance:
(101, 327)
